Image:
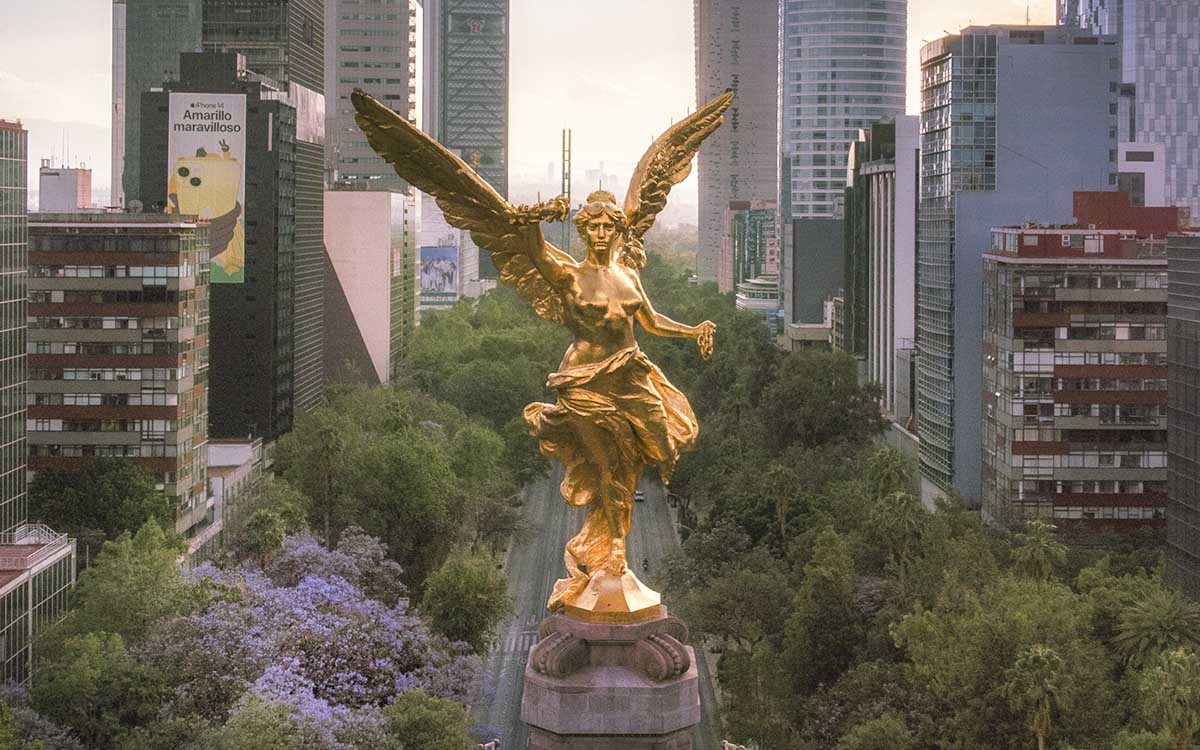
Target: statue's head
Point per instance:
(600, 222)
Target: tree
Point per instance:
(897, 520)
(824, 628)
(284, 505)
(1160, 621)
(888, 470)
(1037, 551)
(466, 600)
(262, 536)
(97, 689)
(963, 649)
(748, 602)
(826, 403)
(1036, 686)
(1170, 692)
(263, 725)
(1127, 740)
(886, 731)
(422, 722)
(109, 496)
(133, 584)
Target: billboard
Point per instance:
(206, 155)
(439, 270)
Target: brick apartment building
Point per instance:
(1075, 367)
(118, 348)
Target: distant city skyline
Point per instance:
(631, 72)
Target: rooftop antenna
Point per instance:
(1027, 13)
(566, 187)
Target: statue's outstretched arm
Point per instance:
(660, 325)
(553, 267)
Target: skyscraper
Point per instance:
(37, 566)
(1013, 119)
(14, 235)
(472, 79)
(1160, 101)
(252, 374)
(374, 45)
(284, 40)
(1183, 412)
(148, 36)
(466, 100)
(737, 48)
(841, 68)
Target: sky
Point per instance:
(616, 72)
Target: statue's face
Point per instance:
(600, 232)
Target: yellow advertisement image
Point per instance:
(207, 185)
(207, 174)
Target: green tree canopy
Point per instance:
(466, 600)
(1159, 621)
(108, 496)
(1170, 692)
(133, 584)
(97, 689)
(1037, 551)
(886, 731)
(423, 722)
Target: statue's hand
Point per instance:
(704, 334)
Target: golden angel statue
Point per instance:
(616, 412)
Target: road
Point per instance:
(532, 567)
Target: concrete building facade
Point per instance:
(118, 349)
(148, 37)
(881, 250)
(371, 291)
(1012, 120)
(374, 45)
(737, 48)
(63, 189)
(1075, 368)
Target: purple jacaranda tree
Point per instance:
(306, 619)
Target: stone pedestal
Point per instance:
(612, 685)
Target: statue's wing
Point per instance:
(668, 163)
(466, 199)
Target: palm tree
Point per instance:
(1038, 551)
(1036, 685)
(1170, 691)
(1161, 621)
(888, 471)
(898, 519)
